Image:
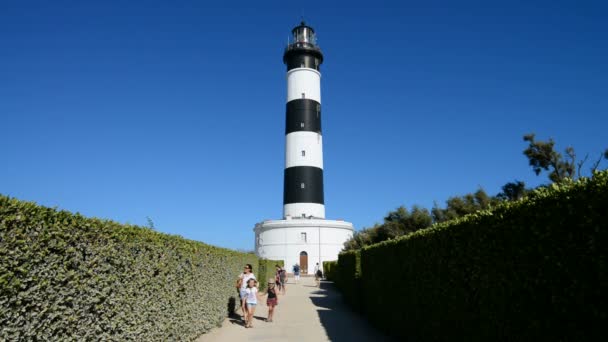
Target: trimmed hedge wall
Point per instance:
(348, 276)
(265, 271)
(70, 278)
(532, 270)
(329, 270)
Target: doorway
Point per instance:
(303, 262)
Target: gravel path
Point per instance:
(305, 313)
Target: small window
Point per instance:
(303, 153)
(303, 236)
(302, 185)
(301, 125)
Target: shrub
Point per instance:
(266, 270)
(535, 269)
(348, 276)
(67, 277)
(329, 269)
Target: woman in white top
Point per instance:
(242, 286)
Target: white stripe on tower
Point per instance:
(303, 83)
(303, 184)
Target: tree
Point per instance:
(542, 156)
(513, 191)
(359, 240)
(401, 221)
(397, 215)
(397, 223)
(386, 231)
(420, 218)
(438, 213)
(458, 206)
(150, 223)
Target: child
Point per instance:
(272, 299)
(252, 300)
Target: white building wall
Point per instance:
(282, 240)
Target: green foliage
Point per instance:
(513, 191)
(406, 222)
(401, 222)
(534, 269)
(348, 275)
(396, 223)
(543, 157)
(70, 278)
(266, 270)
(459, 206)
(329, 270)
(360, 239)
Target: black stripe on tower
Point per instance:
(302, 59)
(303, 184)
(303, 115)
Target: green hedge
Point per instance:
(532, 270)
(70, 278)
(266, 270)
(348, 276)
(329, 269)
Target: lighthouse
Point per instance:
(303, 236)
(303, 185)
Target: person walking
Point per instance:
(272, 299)
(283, 279)
(296, 272)
(251, 297)
(277, 277)
(242, 286)
(318, 274)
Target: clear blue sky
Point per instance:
(176, 110)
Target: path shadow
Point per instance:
(341, 323)
(233, 316)
(231, 306)
(237, 320)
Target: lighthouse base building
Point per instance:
(301, 241)
(303, 237)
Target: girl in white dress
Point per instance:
(251, 295)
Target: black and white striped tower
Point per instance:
(303, 182)
(292, 239)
